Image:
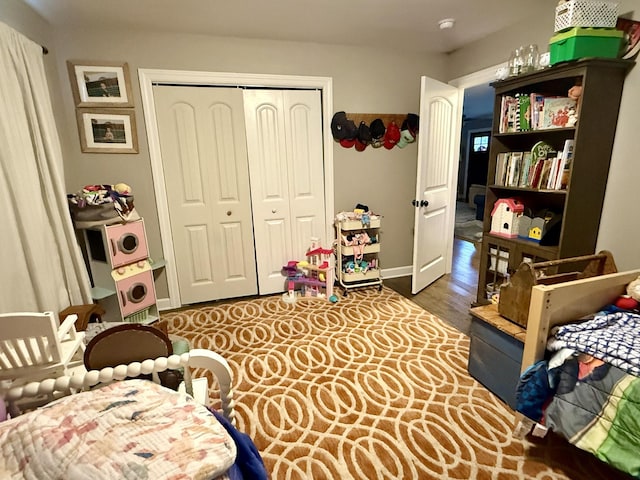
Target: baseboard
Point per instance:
(163, 304)
(397, 272)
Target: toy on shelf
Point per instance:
(310, 278)
(505, 217)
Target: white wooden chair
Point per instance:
(33, 347)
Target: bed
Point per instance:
(106, 424)
(580, 368)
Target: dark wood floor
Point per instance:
(450, 297)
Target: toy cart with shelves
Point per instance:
(357, 250)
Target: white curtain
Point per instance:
(41, 265)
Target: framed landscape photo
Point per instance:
(107, 130)
(102, 84)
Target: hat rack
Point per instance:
(386, 118)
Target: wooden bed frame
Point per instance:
(566, 302)
(52, 388)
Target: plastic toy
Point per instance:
(625, 302)
(312, 277)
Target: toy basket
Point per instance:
(579, 13)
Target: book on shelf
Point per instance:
(501, 167)
(524, 113)
(567, 158)
(525, 170)
(514, 166)
(557, 112)
(544, 173)
(537, 104)
(553, 172)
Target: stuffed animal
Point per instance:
(631, 300)
(625, 302)
(122, 188)
(575, 92)
(633, 289)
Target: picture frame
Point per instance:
(107, 130)
(100, 84)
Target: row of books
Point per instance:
(524, 112)
(547, 171)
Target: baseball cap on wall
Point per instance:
(348, 142)
(377, 133)
(406, 137)
(413, 122)
(342, 127)
(364, 137)
(391, 136)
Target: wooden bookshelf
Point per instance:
(580, 204)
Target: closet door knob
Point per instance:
(424, 203)
(228, 213)
(414, 203)
(274, 210)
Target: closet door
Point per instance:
(204, 156)
(284, 144)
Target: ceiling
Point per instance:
(410, 25)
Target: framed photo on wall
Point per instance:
(107, 130)
(101, 84)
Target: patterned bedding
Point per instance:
(133, 429)
(592, 398)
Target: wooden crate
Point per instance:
(515, 295)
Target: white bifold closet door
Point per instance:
(284, 143)
(204, 157)
(244, 180)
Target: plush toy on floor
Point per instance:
(631, 300)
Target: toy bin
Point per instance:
(583, 13)
(585, 42)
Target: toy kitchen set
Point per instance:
(115, 247)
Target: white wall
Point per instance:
(619, 229)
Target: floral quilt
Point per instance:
(133, 429)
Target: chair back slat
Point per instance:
(23, 352)
(28, 340)
(8, 357)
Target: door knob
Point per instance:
(414, 203)
(424, 203)
(228, 213)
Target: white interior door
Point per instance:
(204, 156)
(435, 184)
(284, 143)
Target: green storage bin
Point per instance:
(582, 42)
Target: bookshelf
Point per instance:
(580, 197)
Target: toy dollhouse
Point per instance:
(505, 216)
(310, 278)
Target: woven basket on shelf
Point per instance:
(581, 13)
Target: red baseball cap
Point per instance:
(348, 142)
(360, 146)
(391, 136)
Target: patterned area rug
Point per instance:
(373, 387)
